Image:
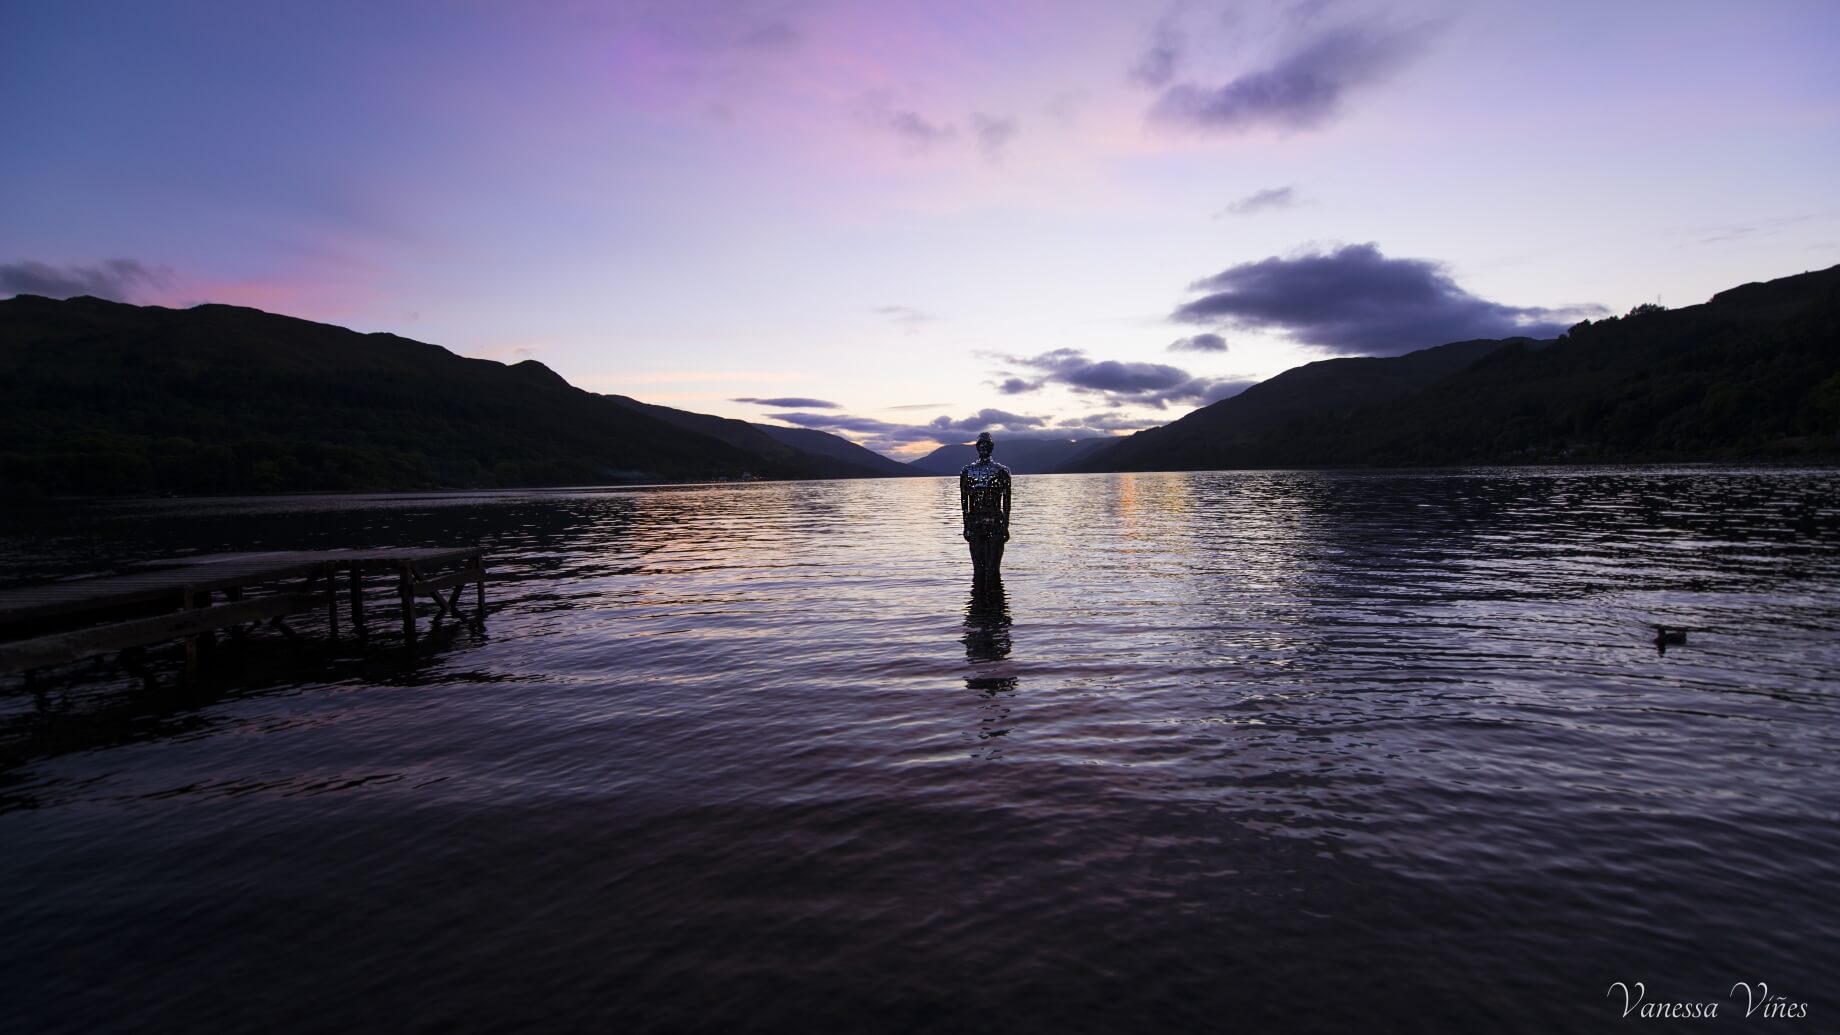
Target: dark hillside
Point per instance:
(821, 443)
(823, 459)
(1754, 373)
(98, 397)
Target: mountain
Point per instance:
(825, 456)
(1314, 393)
(1754, 373)
(1020, 455)
(820, 443)
(99, 397)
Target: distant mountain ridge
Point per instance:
(100, 397)
(1754, 373)
(1020, 455)
(822, 454)
(825, 444)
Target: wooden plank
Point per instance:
(148, 586)
(61, 648)
(186, 583)
(154, 581)
(392, 560)
(20, 607)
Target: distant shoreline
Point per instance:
(1813, 464)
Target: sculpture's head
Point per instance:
(984, 445)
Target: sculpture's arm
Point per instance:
(964, 504)
(1006, 508)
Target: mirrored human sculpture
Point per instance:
(984, 502)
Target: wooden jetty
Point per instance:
(190, 598)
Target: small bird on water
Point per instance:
(1669, 636)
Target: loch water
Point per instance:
(1237, 751)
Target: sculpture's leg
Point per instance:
(986, 555)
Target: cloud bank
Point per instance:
(114, 279)
(1121, 383)
(1356, 301)
(1303, 89)
(1199, 343)
(795, 403)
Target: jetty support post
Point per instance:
(332, 601)
(189, 600)
(357, 604)
(405, 590)
(234, 595)
(478, 564)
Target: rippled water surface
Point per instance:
(1232, 752)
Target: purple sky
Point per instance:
(909, 222)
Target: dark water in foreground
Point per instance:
(1237, 752)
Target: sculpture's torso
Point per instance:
(985, 484)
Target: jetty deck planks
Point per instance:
(191, 597)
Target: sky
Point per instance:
(910, 222)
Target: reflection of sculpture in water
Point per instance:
(983, 500)
(987, 642)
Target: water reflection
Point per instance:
(1401, 738)
(987, 647)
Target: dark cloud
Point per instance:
(838, 422)
(1199, 343)
(1303, 89)
(917, 132)
(1072, 368)
(1110, 375)
(1156, 66)
(985, 420)
(1121, 383)
(994, 132)
(804, 404)
(1263, 201)
(1356, 301)
(115, 279)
